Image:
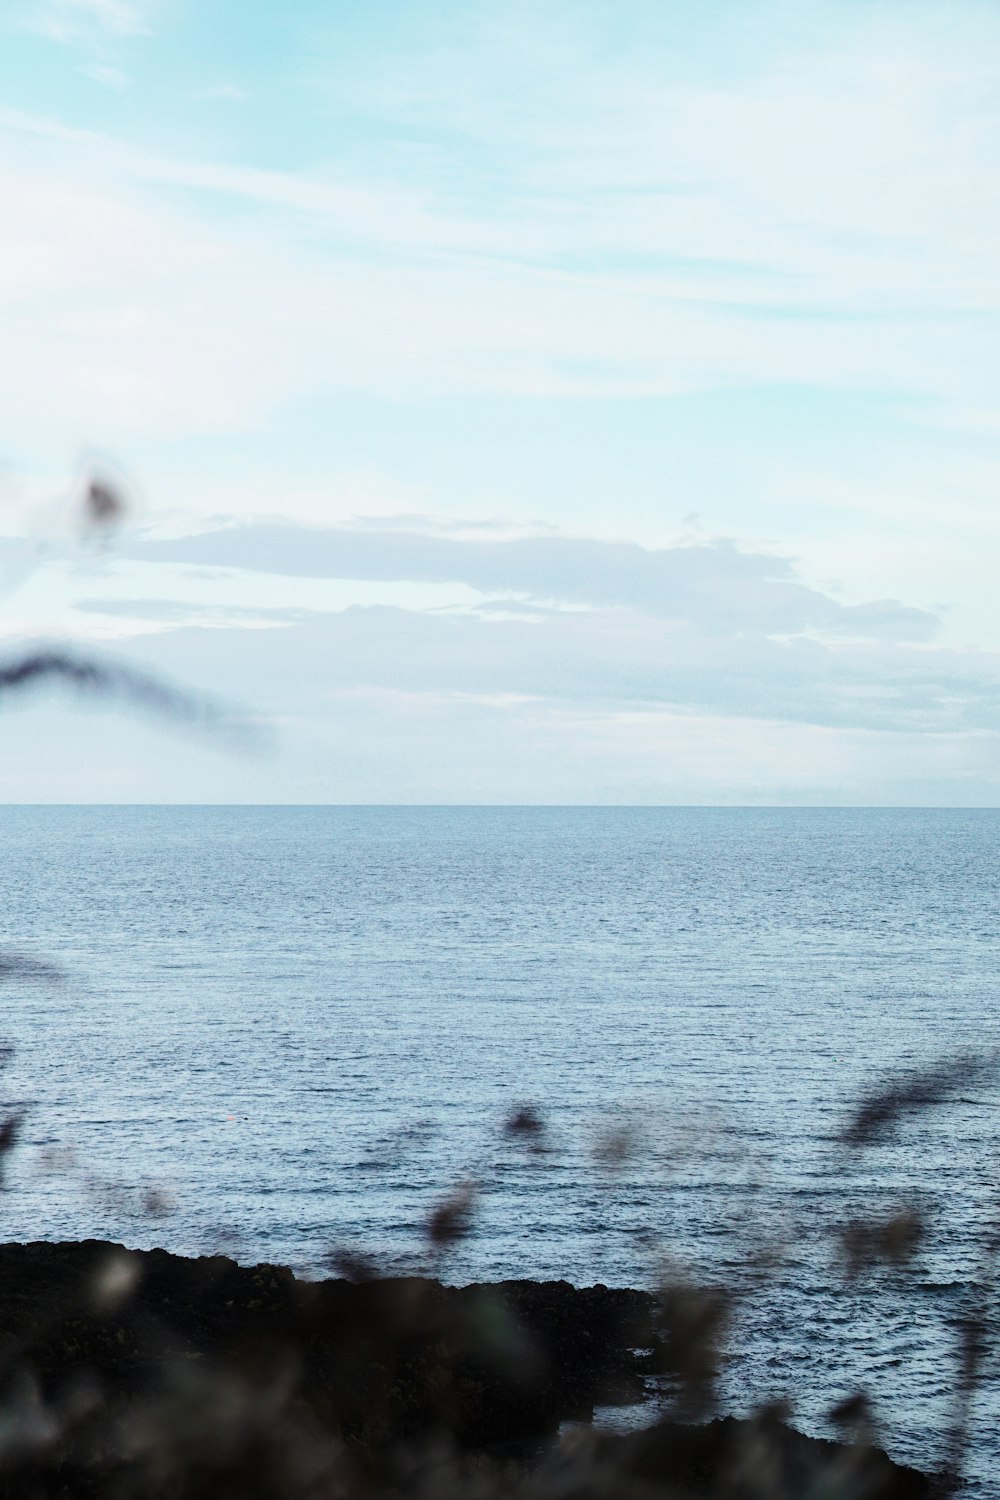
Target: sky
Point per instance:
(562, 401)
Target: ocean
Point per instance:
(291, 1033)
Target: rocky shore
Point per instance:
(146, 1375)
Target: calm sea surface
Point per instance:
(287, 1032)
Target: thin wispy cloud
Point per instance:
(104, 73)
(81, 20)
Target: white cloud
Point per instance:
(75, 20)
(718, 586)
(667, 686)
(387, 705)
(104, 73)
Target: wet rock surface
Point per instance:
(145, 1374)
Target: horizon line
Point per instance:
(557, 806)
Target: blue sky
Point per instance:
(546, 402)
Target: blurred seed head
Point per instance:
(693, 1320)
(853, 1415)
(10, 1131)
(106, 678)
(104, 500)
(865, 1243)
(22, 966)
(778, 1410)
(877, 1116)
(158, 1203)
(351, 1265)
(115, 1280)
(104, 503)
(973, 1346)
(452, 1219)
(525, 1122)
(616, 1145)
(58, 1159)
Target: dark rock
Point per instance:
(760, 1459)
(144, 1375)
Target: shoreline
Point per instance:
(149, 1374)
